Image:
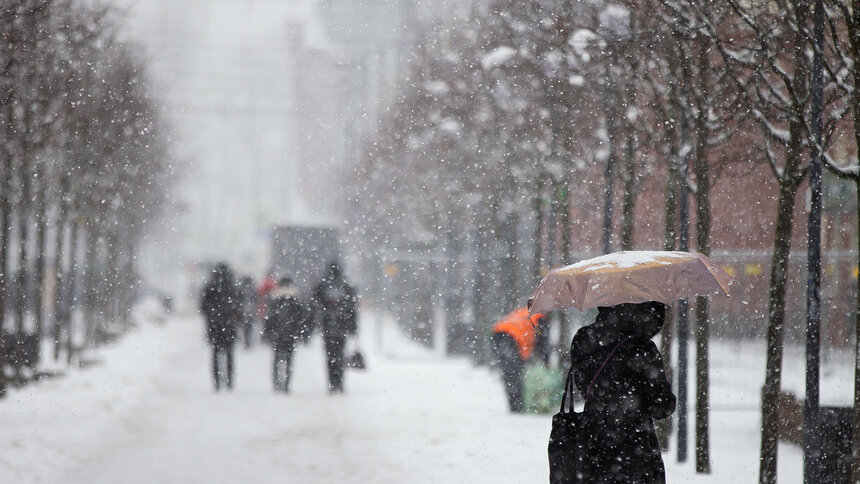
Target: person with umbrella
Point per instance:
(614, 364)
(630, 392)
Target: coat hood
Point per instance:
(614, 324)
(284, 291)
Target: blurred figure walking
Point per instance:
(285, 318)
(248, 302)
(220, 305)
(268, 284)
(334, 303)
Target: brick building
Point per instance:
(744, 200)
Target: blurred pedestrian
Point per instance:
(220, 305)
(513, 345)
(334, 303)
(285, 319)
(248, 303)
(268, 284)
(629, 391)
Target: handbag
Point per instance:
(356, 361)
(354, 357)
(569, 440)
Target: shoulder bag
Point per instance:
(569, 440)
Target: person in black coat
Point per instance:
(630, 392)
(285, 320)
(220, 305)
(335, 308)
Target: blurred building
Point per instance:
(268, 100)
(222, 75)
(340, 81)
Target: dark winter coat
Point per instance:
(285, 318)
(221, 306)
(335, 306)
(629, 394)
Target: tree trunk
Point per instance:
(775, 331)
(41, 261)
(703, 448)
(701, 170)
(609, 178)
(511, 238)
(62, 280)
(565, 334)
(855, 441)
(5, 231)
(628, 214)
(481, 290)
(789, 183)
(87, 285)
(111, 289)
(72, 298)
(129, 284)
(670, 234)
(537, 208)
(854, 40)
(22, 277)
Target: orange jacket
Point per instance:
(522, 329)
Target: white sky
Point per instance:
(221, 68)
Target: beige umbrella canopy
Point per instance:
(630, 277)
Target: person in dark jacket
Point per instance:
(220, 305)
(629, 393)
(335, 309)
(285, 318)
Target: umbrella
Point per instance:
(630, 277)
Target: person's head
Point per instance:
(646, 318)
(285, 282)
(643, 319)
(607, 315)
(334, 271)
(221, 272)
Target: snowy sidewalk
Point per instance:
(149, 414)
(408, 418)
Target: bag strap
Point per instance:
(568, 389)
(568, 384)
(593, 380)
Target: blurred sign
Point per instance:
(390, 269)
(752, 269)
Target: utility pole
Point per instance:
(811, 448)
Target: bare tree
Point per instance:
(770, 66)
(79, 128)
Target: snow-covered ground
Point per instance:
(148, 414)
